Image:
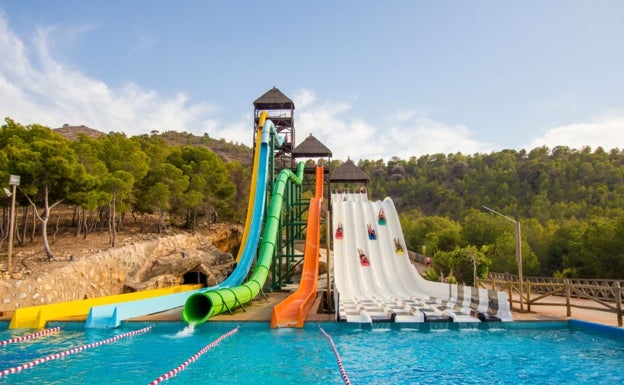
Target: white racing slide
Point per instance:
(386, 287)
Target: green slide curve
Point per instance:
(200, 307)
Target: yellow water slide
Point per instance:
(252, 189)
(36, 317)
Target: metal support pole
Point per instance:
(618, 303)
(518, 237)
(519, 262)
(328, 233)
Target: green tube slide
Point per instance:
(200, 307)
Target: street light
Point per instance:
(518, 252)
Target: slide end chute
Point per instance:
(198, 308)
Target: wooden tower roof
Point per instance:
(311, 148)
(349, 172)
(274, 99)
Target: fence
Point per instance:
(607, 294)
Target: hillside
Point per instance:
(227, 151)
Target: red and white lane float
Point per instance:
(194, 358)
(345, 378)
(66, 353)
(30, 336)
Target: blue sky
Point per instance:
(369, 79)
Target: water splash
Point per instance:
(187, 331)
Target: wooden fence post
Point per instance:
(618, 302)
(528, 293)
(566, 289)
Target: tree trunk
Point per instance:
(21, 239)
(34, 227)
(78, 219)
(56, 229)
(111, 223)
(76, 216)
(5, 221)
(44, 225)
(120, 222)
(44, 237)
(194, 219)
(85, 224)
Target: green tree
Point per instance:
(122, 154)
(431, 234)
(240, 177)
(208, 176)
(118, 184)
(48, 167)
(163, 188)
(93, 196)
(461, 262)
(598, 252)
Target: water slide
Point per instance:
(292, 311)
(36, 317)
(387, 287)
(252, 188)
(111, 315)
(201, 306)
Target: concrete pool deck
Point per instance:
(261, 308)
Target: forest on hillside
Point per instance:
(569, 203)
(108, 179)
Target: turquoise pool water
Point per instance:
(514, 353)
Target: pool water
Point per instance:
(510, 353)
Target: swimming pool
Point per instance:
(508, 353)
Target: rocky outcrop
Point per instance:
(144, 265)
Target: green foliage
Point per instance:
(48, 167)
(568, 202)
(208, 177)
(431, 234)
(119, 174)
(431, 275)
(566, 273)
(460, 263)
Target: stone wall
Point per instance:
(101, 274)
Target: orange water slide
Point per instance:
(293, 311)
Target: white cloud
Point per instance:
(405, 135)
(239, 131)
(606, 132)
(36, 88)
(304, 98)
(346, 137)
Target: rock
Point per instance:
(149, 263)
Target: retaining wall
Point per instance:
(101, 274)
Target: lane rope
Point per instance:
(66, 353)
(29, 336)
(194, 358)
(345, 378)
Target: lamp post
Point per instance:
(518, 253)
(14, 181)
